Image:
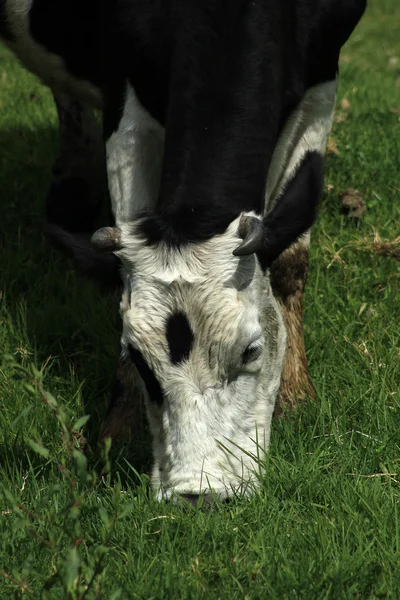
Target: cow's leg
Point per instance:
(134, 148)
(75, 197)
(288, 278)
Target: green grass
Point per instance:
(326, 523)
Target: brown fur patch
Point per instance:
(124, 420)
(288, 278)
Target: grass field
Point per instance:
(326, 523)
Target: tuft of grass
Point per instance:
(72, 562)
(325, 523)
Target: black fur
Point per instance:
(222, 76)
(68, 206)
(238, 70)
(180, 337)
(5, 31)
(104, 269)
(187, 225)
(149, 379)
(294, 214)
(108, 42)
(296, 209)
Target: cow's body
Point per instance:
(213, 110)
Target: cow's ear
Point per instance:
(295, 210)
(101, 267)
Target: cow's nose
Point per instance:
(198, 501)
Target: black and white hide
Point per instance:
(215, 119)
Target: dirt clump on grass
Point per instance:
(353, 204)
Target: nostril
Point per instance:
(191, 498)
(198, 501)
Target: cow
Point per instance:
(215, 119)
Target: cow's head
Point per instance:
(205, 335)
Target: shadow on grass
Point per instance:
(52, 316)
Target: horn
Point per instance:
(252, 232)
(107, 239)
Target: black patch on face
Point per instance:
(149, 379)
(179, 337)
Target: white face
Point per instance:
(207, 337)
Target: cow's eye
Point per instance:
(252, 352)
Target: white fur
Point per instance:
(204, 435)
(134, 160)
(215, 419)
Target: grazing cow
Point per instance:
(215, 119)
